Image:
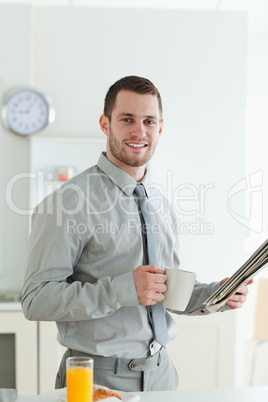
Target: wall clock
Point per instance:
(26, 111)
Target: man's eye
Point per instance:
(126, 120)
(149, 122)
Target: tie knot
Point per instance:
(140, 190)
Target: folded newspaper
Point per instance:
(243, 275)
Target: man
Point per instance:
(98, 283)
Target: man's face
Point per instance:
(133, 130)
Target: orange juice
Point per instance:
(79, 384)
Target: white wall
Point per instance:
(204, 142)
(256, 150)
(257, 128)
(15, 69)
(258, 65)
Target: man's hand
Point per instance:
(238, 299)
(150, 283)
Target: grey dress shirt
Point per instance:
(84, 245)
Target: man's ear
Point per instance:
(104, 124)
(161, 127)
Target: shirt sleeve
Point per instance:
(201, 292)
(49, 292)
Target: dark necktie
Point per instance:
(157, 310)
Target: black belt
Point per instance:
(117, 364)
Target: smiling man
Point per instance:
(133, 128)
(103, 286)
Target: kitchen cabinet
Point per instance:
(208, 350)
(13, 325)
(34, 348)
(50, 354)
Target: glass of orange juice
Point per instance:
(79, 379)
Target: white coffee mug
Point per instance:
(180, 285)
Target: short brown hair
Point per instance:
(132, 83)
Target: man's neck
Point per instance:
(137, 173)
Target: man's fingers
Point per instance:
(151, 269)
(238, 298)
(157, 297)
(242, 291)
(155, 284)
(150, 283)
(159, 278)
(160, 287)
(234, 305)
(150, 298)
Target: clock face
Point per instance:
(26, 112)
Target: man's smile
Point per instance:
(136, 145)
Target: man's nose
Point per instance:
(139, 130)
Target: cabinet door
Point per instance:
(25, 333)
(50, 354)
(208, 351)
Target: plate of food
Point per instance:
(99, 393)
(104, 393)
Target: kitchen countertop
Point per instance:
(10, 306)
(209, 395)
(258, 394)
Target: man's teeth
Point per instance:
(136, 145)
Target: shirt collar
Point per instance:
(121, 178)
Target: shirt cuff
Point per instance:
(126, 290)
